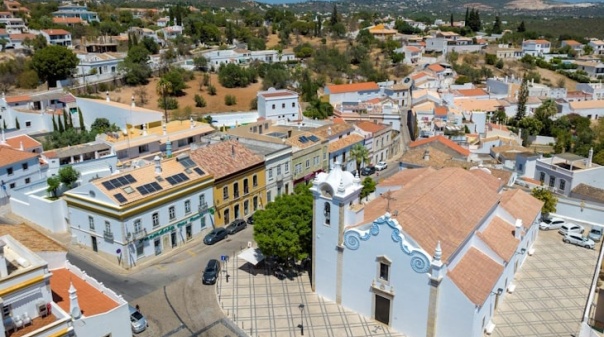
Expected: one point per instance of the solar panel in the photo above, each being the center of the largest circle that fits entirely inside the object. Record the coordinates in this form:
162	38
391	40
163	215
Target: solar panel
183	177
198	170
156	186
187	162
142	190
119	197
171	181
177	178
149	188
108	185
303	139
313	138
130	178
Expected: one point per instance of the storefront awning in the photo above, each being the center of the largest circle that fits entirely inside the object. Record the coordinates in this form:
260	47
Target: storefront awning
251	255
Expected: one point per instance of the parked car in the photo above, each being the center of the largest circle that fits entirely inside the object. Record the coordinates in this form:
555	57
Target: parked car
210	274
381	166
250	220
596	233
217	234
551	223
577	239
137	320
367	170
236	226
568	228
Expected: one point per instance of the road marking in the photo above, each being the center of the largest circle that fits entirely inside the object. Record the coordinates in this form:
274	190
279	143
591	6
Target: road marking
191	253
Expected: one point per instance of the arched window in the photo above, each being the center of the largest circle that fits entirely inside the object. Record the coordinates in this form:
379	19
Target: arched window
327	213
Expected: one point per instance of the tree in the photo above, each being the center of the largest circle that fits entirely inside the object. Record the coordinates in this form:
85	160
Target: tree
164	88
3	43
360	154
230	100
451	20
177	82
522	98
200	102
546	110
497	25
17	125
142	94
36	43
284	227
334	16
368	187
588	50
68	175
548	198
54	63
54	123
135	66
521	28
81	120
53	184
201	63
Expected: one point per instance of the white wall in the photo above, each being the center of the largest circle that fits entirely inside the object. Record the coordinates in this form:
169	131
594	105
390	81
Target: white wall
35	207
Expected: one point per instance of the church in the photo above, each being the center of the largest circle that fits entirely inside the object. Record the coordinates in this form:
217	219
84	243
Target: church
433	255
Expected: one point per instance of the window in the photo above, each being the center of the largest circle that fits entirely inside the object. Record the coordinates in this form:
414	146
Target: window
187	206
383	265
255	180
316	161
138	226
107	227
182	142
27	180
12	185
255	203
9	171
273	107
327	213
562	184
172	212
226	216
143	148
552	181
520	167
225	193
91	223
268	196
279	170
6	311
293	104
384	269
155	217
25	166
542	176
298	169
286	168
28	124
202	200
270	174
246	188
307	163
236	190
282	105
246	207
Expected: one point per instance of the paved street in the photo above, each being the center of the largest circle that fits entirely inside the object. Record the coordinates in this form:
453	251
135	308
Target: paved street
552	289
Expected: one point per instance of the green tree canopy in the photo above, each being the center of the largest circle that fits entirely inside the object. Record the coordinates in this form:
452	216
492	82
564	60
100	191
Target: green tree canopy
68	175
368	187
53	63
284	228
360	154
53	184
549	199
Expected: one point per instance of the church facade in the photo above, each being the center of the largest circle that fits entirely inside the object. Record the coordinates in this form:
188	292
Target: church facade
432	256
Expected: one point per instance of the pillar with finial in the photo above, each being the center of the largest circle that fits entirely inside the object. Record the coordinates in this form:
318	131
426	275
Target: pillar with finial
436	275
132	104
74	306
107	96
169	148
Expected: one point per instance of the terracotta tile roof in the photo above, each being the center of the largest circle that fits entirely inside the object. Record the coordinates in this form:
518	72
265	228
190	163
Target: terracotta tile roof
3	32
345	142
476	275
521	205
435	67
472	92
494	126
20	37
225	158
413	49
440	111
438	158
338	120
295	142
9	156
471	104
53	32
27	141
336	129
583	190
373	100
419	75
463	201
342	88
278	93
593	104
15	99
370	127
485	175
91	300
31	238
571	42
64	21
443	140
536	41
504	175
406	177
499	235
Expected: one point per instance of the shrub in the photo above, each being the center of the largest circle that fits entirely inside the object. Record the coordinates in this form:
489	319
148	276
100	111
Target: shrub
171	103
230	100
212	90
200	102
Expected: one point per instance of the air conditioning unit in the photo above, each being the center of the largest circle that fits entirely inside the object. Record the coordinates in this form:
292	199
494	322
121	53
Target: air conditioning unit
43	309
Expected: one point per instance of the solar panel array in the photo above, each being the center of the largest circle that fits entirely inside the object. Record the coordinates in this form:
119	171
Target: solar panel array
119	197
177	178
187	162
149	188
198	170
119	182
303	139
314	138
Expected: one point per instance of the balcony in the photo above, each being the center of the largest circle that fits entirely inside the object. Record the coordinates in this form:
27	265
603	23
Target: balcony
236	194
203	207
140	234
48	325
279	177
108	236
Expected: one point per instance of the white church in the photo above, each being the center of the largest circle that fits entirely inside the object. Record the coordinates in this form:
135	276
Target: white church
432	256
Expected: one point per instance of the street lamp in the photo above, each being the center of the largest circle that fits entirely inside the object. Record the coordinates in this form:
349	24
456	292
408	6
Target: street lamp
301	326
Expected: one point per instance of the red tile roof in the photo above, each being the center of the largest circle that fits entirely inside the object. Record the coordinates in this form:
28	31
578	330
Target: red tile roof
371	127
472	92
91	300
53	32
499	235
15	99
521	205
9	156
435	67
342	88
440	111
27	141
572	42
65	21
279	93
476	275
225	158
443	140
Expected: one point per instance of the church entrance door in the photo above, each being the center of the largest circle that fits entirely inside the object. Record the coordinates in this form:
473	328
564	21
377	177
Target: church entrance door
382	309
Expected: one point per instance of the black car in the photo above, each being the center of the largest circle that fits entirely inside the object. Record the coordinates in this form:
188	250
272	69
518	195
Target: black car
215	235
250	220
367	170
236	226
210	274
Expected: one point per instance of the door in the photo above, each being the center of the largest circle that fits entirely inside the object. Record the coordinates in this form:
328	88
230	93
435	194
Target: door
166	241
173	238
94	245
189	231
157	245
382	309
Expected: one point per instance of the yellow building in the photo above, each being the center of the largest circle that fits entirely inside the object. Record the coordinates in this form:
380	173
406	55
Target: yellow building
239	179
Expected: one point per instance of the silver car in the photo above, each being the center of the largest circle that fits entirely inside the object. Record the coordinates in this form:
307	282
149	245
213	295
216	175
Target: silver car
551	223
138	321
577	239
569	228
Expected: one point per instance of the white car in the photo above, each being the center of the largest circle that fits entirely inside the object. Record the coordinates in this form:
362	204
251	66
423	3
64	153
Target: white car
551	223
577	239
381	166
571	228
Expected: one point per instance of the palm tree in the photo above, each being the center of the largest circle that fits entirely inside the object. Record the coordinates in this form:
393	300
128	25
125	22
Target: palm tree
164	88
360	154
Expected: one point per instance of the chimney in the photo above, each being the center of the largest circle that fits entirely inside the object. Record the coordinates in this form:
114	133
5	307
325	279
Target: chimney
427	155
107	96
590	157
233	150
289	133
133	104
3	139
164	128
3	267
329	131
157	161
168	148
192	123
518	229
74	306
437	270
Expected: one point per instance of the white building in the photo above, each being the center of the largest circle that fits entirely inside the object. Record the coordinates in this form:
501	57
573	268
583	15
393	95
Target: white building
98	67
279	105
242	56
92	160
536	47
434	256
597	46
378	140
17	169
142	212
57	37
34	113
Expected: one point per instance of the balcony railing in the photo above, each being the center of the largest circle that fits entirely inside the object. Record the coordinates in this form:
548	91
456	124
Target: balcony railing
279	177
203	207
108	236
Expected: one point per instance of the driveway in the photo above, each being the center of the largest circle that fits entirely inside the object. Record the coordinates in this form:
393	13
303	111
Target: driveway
551	290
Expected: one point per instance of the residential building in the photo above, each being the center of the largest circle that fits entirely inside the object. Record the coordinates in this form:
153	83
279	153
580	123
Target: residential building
597	46
413	55
34	112
536	47
125	116
243	56
384	111
76	11
172	32
577	47
142	212
17	169
378	140
564	171
594	69
23	143
57	37
162	22
100	44
16	40
591	109
352	92
341	138
279	105
15	26
92	160
240	179
594	91
69	22
381	32
95	67
423	272
442	143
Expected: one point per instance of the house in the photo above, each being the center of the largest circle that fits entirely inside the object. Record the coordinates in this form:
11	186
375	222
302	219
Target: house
92	160
398	261
352	92
16	40
162	22
564	171
243	56
536	47
142	212
594	91
15	8
240	179
34	113
444	144
172	32
57	37
23	143
381	32
577	47
378	140
76	11
592	109
383	111
597	46
17	169
279	105
505	52
341	138
15	25
69	22
594	69
95	67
